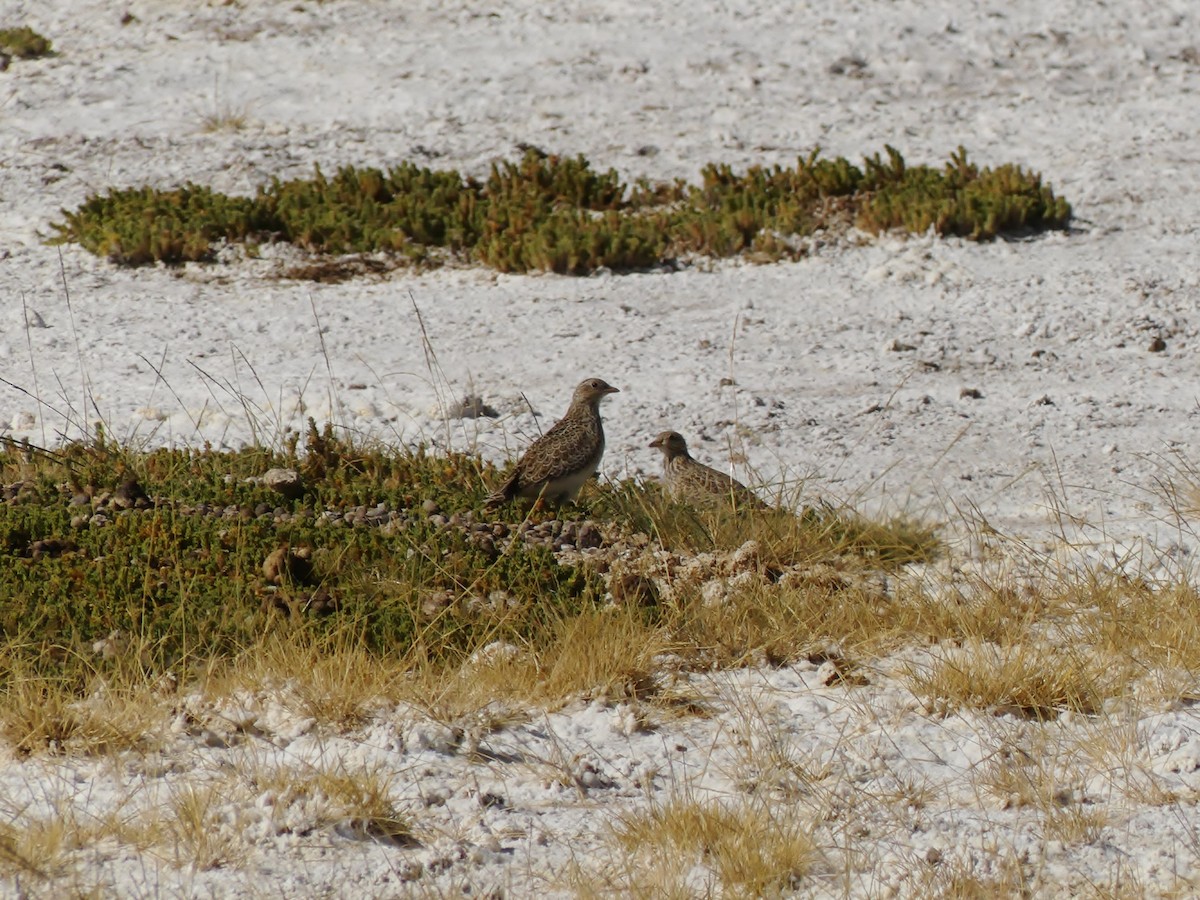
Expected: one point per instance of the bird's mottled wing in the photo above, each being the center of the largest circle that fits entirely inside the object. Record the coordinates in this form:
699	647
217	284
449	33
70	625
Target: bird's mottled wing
566	448
695	478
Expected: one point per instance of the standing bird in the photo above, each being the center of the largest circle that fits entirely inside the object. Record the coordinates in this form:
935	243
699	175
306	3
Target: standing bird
688	479
558	463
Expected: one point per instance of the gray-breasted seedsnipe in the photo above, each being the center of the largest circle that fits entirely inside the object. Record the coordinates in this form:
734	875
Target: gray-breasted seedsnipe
688	479
558	463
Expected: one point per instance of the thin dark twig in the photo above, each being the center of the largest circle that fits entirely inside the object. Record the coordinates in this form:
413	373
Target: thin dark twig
25	446
35	398
157	370
328	364
532	412
32	359
83	380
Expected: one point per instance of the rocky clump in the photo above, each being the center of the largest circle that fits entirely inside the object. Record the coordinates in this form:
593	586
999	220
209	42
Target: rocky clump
288	565
284	481
636	571
97	508
472	407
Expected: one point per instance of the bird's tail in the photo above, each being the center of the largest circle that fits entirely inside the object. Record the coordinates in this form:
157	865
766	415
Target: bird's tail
502	494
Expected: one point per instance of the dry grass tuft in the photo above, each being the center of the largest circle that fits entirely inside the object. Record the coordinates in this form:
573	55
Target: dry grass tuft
767	762
605	653
609	652
1038	682
332	679
43	840
357	802
810	610
1075	824
225	119
41	713
954	880
43	845
1033	772
194	828
780	624
220	114
713	847
1157	627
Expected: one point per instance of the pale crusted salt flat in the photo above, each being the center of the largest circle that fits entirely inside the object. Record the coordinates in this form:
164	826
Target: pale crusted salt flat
1076	415
524	807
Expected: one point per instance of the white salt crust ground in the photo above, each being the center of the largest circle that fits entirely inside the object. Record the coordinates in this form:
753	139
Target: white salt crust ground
1077	429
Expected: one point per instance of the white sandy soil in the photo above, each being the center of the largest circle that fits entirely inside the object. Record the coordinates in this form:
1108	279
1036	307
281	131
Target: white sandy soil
852	372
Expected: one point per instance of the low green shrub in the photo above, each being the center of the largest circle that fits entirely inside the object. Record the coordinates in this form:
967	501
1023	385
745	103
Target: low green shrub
24	43
548	213
182	572
366	210
959	199
144	225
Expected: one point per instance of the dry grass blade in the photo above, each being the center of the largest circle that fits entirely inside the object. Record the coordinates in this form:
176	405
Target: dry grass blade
15	855
954	880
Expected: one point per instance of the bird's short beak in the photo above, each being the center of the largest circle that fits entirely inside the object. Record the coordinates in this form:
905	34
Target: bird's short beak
655	443
612	390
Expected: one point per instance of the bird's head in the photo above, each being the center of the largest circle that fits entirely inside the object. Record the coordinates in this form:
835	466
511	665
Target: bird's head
592	391
671	443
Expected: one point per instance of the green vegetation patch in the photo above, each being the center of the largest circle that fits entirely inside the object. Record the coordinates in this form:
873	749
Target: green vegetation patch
188	554
145	225
550	213
24	43
192	554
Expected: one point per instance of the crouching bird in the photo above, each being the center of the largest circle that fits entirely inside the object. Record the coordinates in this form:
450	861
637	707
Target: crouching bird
688	479
557	464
